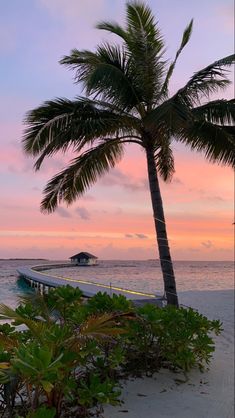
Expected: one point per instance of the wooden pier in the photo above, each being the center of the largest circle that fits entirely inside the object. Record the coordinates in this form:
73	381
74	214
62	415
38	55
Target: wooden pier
35	278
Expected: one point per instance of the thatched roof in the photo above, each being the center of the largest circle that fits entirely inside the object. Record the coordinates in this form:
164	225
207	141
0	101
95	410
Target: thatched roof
83	255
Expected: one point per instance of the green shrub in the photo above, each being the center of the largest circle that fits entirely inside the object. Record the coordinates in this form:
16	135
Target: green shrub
94	391
183	335
42	412
72	353
102	302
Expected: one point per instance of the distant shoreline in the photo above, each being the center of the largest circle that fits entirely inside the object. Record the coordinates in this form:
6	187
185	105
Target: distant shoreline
24	259
118	259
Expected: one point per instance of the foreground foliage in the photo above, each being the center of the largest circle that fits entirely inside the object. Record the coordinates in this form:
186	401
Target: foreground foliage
61	353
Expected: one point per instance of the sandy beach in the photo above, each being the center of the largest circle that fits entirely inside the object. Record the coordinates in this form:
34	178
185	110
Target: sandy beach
205	395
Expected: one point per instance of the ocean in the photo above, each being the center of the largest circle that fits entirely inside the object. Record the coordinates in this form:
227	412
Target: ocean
129	274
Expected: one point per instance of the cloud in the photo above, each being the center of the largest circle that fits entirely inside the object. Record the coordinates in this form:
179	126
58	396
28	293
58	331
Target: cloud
112	251
117	178
63	213
141	236
83	213
176	180
215	198
203	194
207	244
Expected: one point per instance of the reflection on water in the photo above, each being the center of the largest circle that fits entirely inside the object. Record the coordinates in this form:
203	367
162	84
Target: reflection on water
136	275
146	275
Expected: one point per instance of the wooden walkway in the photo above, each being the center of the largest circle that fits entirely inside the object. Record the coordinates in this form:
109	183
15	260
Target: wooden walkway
42	281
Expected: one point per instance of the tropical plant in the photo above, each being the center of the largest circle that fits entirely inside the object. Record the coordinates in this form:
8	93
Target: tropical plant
94	391
42	412
55	365
47	362
127	101
182	335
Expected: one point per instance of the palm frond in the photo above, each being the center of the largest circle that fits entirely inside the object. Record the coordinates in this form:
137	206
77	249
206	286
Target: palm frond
81	174
165	160
77	60
216	142
203	90
145	45
141	22
105	74
186	36
217	111
60	124
208	80
127	75
48	121
114	28
168	117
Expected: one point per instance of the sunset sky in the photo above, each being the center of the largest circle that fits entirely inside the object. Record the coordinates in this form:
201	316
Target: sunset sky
114	220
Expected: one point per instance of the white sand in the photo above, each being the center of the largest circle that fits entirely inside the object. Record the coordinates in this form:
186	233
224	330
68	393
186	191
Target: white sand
205	395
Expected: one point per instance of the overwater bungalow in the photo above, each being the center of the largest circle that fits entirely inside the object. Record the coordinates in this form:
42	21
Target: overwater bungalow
84	259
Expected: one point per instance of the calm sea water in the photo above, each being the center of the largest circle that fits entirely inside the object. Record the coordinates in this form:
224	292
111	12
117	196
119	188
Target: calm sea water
135	275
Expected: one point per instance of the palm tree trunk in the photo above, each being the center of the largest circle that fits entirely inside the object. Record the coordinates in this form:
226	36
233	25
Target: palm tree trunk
160	227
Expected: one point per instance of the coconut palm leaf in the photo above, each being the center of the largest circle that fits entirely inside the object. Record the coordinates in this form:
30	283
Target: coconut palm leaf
114	28
217	111
105	74
83	171
134	71
216	142
141	25
185	39
60	124
165	161
50	129
45	123
208	80
145	45
168	117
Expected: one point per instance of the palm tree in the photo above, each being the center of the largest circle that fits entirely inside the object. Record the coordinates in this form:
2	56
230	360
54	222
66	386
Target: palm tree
126	100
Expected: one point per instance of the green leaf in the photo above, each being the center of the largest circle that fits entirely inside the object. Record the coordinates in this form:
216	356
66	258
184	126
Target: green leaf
186	36
47	386
43	412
